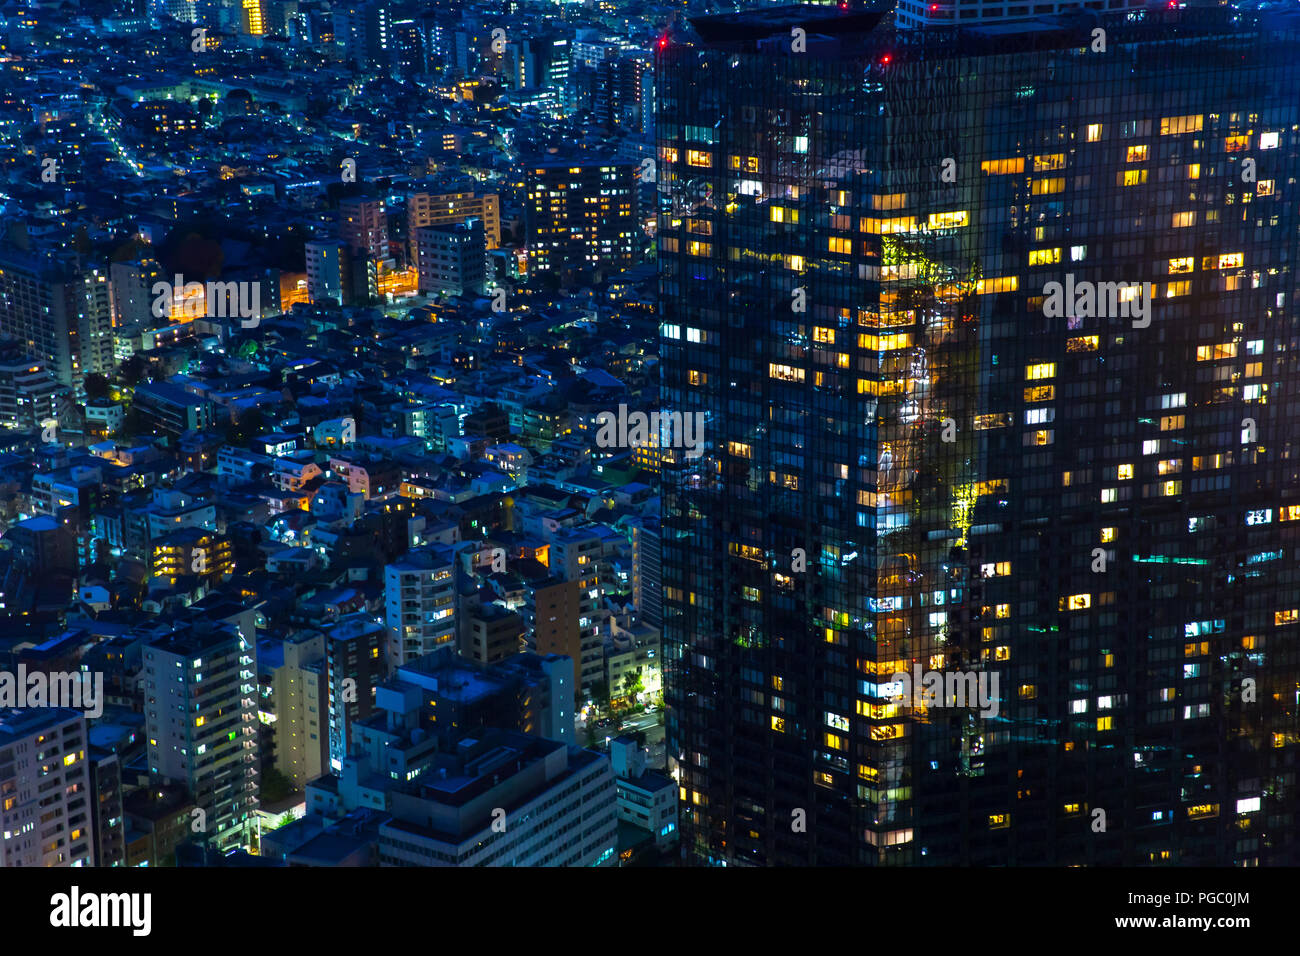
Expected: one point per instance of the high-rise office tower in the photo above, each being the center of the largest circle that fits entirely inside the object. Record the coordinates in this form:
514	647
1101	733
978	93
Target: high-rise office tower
201	716
992	333
59	307
912	14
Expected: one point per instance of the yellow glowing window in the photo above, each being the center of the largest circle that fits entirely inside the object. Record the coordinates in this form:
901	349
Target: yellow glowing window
1170	125
1105	723
889	202
794	263
666	153
200	721
778	724
1232	260
886	731
740	449
1285	617
781	214
1108	535
1045	187
1289	513
1107	660
948	220
998	284
1001	167
1094	132
1265	187
69	760
1132	177
1028	691
867	773
999	821
1181	265
823	334
785	373
1209	353
1042	370
697	248
1040	393
1175	289
1172	422
1125	472
884	343
699	157
1075	602
1184	219
1082	343
746	164
840	245
1042	257
1136	154
1002	611
1201	810
836	742
1049	162
885	227
1235	144
995	569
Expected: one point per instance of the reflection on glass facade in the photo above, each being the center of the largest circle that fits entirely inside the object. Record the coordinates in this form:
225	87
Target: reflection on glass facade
951	429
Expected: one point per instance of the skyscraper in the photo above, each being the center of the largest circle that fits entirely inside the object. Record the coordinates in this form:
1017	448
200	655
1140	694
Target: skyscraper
992	333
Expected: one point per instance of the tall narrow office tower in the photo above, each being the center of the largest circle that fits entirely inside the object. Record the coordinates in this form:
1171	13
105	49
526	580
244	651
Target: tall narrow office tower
992	329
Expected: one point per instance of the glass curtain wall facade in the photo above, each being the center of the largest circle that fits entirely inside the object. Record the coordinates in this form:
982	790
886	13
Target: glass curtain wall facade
920	457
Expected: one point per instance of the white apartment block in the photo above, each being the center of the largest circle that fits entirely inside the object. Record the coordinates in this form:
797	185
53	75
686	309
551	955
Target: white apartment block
45	798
